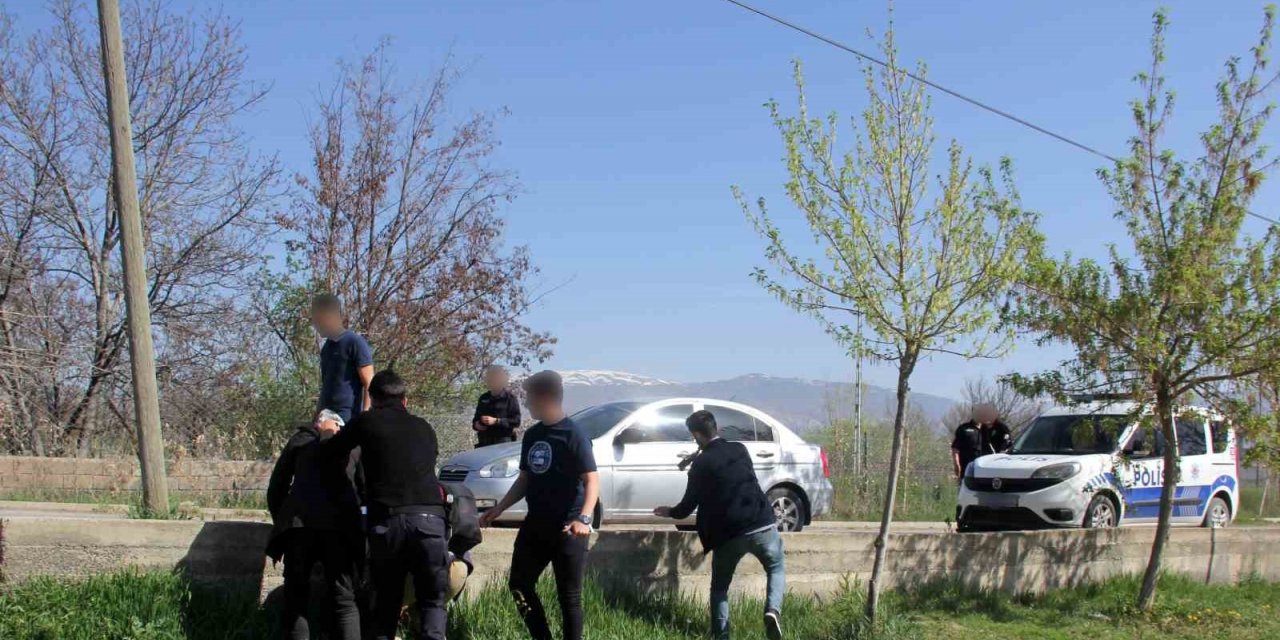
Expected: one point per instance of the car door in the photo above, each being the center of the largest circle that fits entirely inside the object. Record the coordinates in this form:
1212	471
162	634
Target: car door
756	434
647	454
1192	495
1141	474
1144	473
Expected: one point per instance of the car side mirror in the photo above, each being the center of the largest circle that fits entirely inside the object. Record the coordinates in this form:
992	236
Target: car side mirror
629	436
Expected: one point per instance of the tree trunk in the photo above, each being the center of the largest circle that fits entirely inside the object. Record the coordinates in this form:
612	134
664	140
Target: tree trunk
1164	414
905	365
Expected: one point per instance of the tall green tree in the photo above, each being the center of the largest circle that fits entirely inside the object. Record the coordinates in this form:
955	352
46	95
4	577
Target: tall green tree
1193	303
926	272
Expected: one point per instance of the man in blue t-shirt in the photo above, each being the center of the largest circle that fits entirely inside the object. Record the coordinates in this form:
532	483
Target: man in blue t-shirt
346	361
559	483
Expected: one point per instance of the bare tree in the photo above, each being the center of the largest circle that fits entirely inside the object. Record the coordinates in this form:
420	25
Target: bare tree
1015	409
203	196
400	216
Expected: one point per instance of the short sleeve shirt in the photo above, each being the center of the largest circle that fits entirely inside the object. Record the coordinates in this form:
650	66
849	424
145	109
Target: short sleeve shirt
340	361
555	457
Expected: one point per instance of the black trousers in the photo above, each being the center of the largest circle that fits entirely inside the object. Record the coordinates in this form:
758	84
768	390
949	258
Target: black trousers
409	544
336	555
535	548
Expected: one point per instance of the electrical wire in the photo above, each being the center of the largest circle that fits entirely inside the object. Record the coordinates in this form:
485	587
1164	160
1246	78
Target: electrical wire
951	92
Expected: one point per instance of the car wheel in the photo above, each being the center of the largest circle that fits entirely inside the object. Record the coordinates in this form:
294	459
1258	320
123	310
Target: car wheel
1218	515
686	527
788	509
597	517
1101	514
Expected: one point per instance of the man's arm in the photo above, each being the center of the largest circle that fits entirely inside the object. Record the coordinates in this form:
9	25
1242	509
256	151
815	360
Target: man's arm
590	495
514	494
475	419
281	479
512	420
690	500
366	378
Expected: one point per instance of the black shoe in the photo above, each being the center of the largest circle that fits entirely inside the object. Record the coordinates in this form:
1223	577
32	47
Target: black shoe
773	624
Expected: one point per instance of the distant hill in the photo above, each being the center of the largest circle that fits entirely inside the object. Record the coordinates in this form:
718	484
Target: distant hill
801	404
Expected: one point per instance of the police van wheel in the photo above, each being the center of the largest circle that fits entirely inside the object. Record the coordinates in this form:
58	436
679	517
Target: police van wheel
1101	514
597	517
788	509
1218	515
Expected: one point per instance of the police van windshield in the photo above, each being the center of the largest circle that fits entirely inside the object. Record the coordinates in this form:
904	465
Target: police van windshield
1071	435
598	420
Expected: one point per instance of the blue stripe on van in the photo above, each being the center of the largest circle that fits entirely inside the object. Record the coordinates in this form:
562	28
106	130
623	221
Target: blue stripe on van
1189	501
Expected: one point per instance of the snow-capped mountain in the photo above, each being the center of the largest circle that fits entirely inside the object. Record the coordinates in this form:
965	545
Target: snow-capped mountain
800	403
600	377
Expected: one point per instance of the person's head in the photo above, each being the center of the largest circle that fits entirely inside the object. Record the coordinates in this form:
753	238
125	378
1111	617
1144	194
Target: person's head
496	378
326	315
327	423
985	413
703	427
387	389
544	394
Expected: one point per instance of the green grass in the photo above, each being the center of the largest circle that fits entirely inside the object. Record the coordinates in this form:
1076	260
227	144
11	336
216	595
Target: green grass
919	500
162	606
252	501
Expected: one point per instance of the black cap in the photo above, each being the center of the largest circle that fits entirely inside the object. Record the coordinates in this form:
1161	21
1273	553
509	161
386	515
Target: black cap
544	383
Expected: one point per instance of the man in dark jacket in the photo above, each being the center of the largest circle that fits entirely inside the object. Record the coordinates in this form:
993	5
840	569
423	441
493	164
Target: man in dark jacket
734	519
984	435
498	410
316	516
407	530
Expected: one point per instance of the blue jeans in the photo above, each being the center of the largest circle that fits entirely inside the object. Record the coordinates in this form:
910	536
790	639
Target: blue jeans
766	546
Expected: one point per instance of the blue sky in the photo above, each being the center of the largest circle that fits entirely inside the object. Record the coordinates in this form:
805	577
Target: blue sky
629	121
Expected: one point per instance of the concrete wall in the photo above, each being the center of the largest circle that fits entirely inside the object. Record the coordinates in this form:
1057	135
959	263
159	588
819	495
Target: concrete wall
817	562
21	474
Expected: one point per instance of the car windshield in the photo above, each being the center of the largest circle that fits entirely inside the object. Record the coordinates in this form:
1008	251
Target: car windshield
1071	434
598	420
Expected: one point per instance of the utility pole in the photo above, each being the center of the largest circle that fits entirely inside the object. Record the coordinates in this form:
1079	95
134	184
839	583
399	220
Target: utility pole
124	189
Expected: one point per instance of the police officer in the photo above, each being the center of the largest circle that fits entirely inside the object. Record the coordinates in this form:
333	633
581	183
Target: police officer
983	435
559	483
498	410
407	530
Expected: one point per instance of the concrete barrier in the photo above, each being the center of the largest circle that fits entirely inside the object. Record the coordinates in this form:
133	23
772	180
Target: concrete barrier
817	562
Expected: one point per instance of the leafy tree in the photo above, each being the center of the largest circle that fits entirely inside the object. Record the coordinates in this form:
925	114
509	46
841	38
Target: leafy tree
925	274
1195	303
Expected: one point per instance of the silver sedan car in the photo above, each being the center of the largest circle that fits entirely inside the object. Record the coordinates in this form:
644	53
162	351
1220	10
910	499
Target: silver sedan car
638	448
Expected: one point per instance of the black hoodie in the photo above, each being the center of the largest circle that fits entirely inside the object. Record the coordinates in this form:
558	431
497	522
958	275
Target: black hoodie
307	491
723	487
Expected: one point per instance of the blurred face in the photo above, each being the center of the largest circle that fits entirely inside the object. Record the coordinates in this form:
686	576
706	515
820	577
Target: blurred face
544	408
986	414
327	322
496	380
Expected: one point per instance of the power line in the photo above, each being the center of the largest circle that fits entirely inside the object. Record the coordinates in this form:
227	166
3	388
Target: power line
955	94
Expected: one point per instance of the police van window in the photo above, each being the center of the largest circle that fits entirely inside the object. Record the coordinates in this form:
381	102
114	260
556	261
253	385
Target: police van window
666	425
1221	434
735	426
1146	443
1191	437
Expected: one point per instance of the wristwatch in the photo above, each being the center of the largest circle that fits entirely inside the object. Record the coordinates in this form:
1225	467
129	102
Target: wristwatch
584	519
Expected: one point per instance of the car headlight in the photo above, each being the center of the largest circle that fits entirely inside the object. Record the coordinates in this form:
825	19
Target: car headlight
968	470
1057	471
504	468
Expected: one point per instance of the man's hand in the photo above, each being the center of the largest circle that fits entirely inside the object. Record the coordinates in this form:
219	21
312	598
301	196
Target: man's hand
487	518
327	427
577	529
662	512
488	421
479	425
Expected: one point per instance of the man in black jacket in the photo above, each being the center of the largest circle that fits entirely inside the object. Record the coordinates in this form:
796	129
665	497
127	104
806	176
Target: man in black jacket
981	436
316	516
407	530
498	410
734	519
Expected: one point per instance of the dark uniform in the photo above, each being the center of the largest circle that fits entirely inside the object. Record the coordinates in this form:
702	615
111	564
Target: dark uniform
555	456
505	407
316	519
973	442
407	529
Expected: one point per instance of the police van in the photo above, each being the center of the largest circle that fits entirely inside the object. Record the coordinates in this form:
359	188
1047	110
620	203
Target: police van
1094	465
